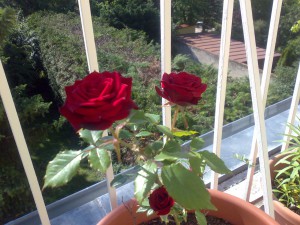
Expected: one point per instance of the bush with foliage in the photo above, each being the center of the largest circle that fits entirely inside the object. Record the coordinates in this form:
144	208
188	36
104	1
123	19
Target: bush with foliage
135	14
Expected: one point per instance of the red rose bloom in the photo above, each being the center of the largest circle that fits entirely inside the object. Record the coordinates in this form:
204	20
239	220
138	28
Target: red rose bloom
98	100
160	201
182	88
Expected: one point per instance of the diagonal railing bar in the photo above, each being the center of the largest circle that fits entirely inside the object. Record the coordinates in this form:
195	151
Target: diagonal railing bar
91	54
258	109
272	36
292	113
222	81
165	26
16	128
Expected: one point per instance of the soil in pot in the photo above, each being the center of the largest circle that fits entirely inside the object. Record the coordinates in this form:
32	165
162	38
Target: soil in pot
211	220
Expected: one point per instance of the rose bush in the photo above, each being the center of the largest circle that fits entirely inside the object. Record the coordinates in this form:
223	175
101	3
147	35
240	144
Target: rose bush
160	201
170	180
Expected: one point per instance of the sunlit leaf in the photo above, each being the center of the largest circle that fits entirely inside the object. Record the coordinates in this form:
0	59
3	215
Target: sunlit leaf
99	159
143	134
186	187
89	136
121	179
184	133
165	130
62	168
145	180
197	143
201	219
214	162
153	118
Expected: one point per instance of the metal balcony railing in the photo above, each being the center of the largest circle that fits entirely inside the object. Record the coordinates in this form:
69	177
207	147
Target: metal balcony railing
259	90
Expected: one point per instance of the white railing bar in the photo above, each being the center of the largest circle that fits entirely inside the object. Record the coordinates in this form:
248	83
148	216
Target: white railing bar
222	81
16	128
91	54
272	36
293	112
165	26
88	34
258	109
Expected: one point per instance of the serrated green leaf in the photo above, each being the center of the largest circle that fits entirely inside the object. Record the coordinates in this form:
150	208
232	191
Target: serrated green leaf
99	159
184	133
186	187
165	130
89	136
143	134
144	181
197	143
214	162
153	118
62	168
201	219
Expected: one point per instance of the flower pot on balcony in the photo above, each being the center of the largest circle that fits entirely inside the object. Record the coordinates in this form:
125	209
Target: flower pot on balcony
283	215
230	208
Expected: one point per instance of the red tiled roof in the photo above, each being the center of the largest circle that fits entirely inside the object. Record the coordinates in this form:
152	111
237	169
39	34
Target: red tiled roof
211	43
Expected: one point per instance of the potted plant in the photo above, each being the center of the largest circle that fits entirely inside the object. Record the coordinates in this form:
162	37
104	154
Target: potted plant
170	180
285	169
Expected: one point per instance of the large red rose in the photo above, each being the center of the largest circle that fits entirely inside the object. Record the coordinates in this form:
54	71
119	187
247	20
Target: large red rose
160	201
98	100
181	88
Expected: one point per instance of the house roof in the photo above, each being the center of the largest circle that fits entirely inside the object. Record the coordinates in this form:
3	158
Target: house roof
211	43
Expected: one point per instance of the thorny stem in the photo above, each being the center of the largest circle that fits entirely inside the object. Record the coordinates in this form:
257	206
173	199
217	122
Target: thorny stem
116	144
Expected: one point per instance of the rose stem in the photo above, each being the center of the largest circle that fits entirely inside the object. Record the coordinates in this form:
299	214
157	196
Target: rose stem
186	125
175	117
116	144
176	219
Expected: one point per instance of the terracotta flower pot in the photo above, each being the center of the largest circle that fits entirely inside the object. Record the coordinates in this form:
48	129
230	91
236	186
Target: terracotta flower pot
230	208
283	215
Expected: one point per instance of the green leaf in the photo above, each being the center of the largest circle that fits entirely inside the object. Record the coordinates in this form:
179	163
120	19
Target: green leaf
165	130
62	168
99	159
183	133
214	162
157	145
196	164
124	134
171	147
144	181
143	134
186	187
89	136
137	117
153	118
201	219
197	143
121	179
171	151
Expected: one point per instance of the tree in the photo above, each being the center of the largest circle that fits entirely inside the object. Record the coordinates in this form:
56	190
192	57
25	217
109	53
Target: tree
135	14
7	22
191	11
